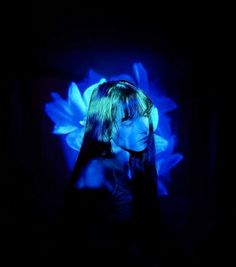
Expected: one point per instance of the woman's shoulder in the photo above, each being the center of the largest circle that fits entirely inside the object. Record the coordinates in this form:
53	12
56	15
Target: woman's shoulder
96	174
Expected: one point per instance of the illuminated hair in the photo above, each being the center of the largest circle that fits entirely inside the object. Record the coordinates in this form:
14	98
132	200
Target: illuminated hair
107	100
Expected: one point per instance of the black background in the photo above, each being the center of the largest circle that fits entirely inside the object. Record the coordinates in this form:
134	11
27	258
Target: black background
47	46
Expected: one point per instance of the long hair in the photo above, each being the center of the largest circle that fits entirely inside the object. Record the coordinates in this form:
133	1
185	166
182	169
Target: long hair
105	102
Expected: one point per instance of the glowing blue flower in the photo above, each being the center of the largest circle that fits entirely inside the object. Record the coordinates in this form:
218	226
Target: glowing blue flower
70	116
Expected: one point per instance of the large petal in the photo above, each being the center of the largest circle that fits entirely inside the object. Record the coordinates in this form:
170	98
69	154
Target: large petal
58	110
57	114
64	129
172	141
164	126
61	103
161	144
75	101
165	104
154	118
162	188
167	164
74	139
141	76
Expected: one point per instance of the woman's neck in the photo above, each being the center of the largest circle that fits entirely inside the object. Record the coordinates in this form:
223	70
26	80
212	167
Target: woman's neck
121	155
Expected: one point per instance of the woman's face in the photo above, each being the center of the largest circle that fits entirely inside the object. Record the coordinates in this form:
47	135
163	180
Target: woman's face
131	134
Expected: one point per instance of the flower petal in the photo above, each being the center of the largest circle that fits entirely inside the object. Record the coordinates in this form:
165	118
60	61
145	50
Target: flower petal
75	100
168	163
165	104
164	127
61	103
141	76
57	115
64	129
161	187
75	138
154	118
161	144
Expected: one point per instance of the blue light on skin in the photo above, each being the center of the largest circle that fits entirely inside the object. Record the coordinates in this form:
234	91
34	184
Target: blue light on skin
130	134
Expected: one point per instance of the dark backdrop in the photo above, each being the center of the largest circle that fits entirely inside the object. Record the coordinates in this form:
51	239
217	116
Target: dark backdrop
49	46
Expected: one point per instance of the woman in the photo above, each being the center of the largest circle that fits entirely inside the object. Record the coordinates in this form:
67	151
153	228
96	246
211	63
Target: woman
112	196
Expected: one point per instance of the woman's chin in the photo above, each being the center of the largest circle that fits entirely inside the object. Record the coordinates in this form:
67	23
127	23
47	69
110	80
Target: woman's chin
135	149
139	149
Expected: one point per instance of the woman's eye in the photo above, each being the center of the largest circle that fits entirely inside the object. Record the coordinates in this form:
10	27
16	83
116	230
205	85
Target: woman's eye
124	119
127	121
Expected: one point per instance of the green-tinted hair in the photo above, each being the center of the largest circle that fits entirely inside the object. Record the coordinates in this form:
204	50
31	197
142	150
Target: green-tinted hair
108	101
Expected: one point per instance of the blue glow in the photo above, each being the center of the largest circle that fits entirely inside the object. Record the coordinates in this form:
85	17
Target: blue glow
69	118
